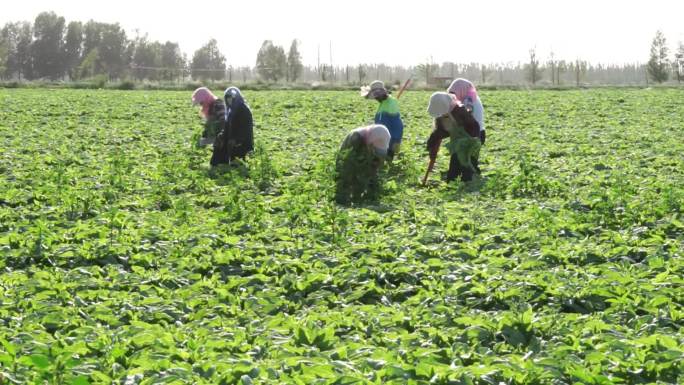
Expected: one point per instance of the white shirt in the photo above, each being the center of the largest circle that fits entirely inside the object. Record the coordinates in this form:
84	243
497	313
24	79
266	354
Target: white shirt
478	113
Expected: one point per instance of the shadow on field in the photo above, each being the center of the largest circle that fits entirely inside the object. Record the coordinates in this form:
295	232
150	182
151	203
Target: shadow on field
101	258
372	205
456	190
225	174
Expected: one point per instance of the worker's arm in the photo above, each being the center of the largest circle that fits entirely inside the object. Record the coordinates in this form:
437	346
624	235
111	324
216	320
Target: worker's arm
435	139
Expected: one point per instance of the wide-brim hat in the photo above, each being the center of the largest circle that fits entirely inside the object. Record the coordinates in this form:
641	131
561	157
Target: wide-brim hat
375	89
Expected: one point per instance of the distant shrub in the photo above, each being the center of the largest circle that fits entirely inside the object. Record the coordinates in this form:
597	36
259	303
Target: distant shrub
126	85
82	85
192	86
99	81
12	84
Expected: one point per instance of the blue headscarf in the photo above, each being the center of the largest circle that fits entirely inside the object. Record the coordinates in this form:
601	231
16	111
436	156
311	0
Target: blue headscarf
236	101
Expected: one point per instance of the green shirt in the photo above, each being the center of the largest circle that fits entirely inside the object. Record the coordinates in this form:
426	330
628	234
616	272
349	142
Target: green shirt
389	106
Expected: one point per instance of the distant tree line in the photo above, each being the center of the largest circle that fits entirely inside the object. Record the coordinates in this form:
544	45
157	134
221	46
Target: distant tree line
660	66
49	48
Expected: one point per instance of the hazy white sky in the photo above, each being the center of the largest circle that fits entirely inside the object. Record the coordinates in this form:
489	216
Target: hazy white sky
390	31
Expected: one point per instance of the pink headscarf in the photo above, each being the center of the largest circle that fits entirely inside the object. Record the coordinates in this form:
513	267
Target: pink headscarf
462	88
204	98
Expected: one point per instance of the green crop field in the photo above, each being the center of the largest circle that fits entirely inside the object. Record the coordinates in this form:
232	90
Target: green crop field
124	259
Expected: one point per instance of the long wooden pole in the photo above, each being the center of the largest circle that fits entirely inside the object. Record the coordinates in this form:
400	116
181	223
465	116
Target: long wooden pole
431	165
404	87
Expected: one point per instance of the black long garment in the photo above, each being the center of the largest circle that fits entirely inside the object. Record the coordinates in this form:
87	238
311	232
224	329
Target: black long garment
236	139
214	123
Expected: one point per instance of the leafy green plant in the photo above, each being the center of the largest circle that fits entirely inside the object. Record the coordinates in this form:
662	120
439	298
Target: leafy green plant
125	258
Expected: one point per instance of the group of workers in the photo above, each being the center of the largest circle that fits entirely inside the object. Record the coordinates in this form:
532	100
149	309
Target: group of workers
458	115
228	124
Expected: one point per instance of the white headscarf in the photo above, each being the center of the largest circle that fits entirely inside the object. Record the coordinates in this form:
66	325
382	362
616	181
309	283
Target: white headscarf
441	103
377	136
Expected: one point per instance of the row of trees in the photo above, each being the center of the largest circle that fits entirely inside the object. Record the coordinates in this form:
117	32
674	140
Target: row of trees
52	49
272	64
659	64
658	69
556	69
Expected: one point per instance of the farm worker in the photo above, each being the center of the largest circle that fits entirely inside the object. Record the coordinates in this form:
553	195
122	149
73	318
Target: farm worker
466	93
213	112
358	162
388	113
236	139
452	119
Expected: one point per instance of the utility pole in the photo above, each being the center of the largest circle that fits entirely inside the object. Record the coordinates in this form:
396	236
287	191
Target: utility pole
332	69
553	69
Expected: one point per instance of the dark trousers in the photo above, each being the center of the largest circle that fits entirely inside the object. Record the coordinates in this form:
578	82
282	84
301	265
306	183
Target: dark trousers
456	169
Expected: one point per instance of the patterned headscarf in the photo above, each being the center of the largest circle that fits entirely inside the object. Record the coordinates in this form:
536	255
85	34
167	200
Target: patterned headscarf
463	89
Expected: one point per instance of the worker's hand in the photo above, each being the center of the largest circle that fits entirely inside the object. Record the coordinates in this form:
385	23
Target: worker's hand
219	141
433	141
